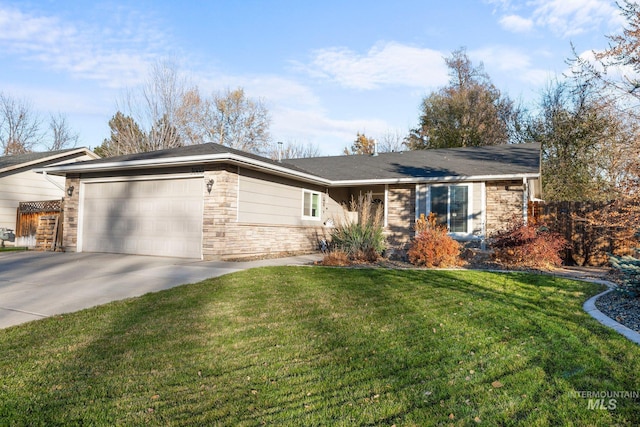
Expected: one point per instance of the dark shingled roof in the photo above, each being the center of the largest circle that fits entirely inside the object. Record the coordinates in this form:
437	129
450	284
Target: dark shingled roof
186	151
508	159
513	160
18	159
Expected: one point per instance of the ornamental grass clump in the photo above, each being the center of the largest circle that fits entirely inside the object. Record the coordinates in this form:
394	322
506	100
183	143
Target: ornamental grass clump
362	240
432	246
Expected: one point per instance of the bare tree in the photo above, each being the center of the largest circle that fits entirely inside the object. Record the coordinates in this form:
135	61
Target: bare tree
155	108
19	126
61	134
190	117
232	119
168	112
292	150
391	141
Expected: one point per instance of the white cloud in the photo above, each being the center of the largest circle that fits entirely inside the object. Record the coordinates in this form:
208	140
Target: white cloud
565	18
314	126
516	24
385	64
82	50
572	17
502	58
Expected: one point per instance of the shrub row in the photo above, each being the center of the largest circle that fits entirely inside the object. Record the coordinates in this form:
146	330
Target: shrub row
518	245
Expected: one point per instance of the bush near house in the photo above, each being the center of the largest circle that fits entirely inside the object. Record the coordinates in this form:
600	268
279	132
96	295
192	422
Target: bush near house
362	240
433	247
527	245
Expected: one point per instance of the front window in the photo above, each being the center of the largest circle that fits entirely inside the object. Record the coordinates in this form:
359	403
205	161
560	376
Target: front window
451	205
311	204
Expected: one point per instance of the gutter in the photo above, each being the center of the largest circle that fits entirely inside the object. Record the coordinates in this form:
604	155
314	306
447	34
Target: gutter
50	158
465	178
61	187
185	160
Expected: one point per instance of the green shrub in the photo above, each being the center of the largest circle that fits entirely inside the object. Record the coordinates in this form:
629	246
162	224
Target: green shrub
361	240
527	245
433	247
628	269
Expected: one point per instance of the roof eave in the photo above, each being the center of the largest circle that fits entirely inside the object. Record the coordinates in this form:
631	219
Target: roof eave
420	180
183	161
69	153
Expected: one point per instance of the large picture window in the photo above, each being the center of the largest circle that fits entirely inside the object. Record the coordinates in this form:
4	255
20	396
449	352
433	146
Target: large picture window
311	204
451	205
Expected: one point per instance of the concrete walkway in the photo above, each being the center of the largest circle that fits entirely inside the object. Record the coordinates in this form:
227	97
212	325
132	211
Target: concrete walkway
35	285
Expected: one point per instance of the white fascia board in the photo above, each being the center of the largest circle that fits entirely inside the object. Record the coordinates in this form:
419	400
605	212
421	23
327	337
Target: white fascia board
346	183
50	158
183	161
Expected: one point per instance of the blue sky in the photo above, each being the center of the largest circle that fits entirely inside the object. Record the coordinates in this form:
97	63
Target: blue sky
325	69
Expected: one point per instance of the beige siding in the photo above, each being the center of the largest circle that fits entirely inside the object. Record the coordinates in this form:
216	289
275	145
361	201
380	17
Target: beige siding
232	230
265	199
24	187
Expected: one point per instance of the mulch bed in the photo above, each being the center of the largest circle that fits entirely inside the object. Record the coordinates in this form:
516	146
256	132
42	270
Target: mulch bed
622	308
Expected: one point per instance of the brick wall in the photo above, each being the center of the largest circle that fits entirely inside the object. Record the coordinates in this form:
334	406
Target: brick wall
504	199
70	221
220	208
401	214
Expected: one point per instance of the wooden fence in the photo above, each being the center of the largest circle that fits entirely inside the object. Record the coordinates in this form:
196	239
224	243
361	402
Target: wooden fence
28	218
589	244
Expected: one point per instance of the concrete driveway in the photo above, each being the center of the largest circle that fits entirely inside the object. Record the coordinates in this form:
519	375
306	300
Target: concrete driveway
34	285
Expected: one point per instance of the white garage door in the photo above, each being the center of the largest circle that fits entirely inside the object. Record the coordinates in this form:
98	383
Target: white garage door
160	217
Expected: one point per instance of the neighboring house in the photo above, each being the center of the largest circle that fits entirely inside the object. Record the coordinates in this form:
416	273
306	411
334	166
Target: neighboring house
209	201
19	182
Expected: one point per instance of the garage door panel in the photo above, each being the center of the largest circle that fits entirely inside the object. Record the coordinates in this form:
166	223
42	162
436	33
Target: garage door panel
155	217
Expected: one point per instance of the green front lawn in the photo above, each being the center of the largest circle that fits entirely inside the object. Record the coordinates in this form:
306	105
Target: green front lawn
325	346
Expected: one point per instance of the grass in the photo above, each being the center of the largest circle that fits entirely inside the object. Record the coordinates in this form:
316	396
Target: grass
13	248
325	346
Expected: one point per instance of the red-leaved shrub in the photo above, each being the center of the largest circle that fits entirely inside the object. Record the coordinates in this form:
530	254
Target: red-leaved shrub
527	245
433	247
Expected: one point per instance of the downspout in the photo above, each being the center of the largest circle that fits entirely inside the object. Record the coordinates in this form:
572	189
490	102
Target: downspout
61	187
525	200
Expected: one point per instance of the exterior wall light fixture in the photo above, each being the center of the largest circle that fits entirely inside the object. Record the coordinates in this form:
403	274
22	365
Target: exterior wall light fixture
70	191
210	185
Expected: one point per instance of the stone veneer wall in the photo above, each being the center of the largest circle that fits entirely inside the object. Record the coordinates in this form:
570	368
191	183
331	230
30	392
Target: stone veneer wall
259	239
220	208
503	203
70	220
224	237
401	214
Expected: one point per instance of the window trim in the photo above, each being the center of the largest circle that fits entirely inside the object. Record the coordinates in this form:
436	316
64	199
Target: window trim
469	186
312	193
